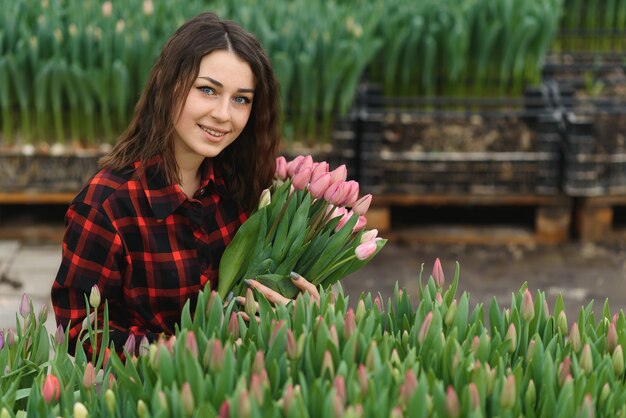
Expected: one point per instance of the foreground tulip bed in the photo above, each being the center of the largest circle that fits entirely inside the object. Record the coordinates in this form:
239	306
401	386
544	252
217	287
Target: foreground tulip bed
367	358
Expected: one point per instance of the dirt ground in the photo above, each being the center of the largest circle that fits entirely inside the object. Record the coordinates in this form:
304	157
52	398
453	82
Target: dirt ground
582	272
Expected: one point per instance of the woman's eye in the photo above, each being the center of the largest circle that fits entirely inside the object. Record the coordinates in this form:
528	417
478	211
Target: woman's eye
242	100
206	90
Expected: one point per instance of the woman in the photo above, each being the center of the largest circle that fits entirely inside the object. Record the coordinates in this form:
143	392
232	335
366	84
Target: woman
150	227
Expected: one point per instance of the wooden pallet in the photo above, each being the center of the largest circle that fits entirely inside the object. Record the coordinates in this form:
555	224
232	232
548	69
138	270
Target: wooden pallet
552	219
595	217
36	198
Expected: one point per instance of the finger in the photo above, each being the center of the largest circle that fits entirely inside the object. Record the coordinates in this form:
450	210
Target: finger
246	318
242	301
305	285
269	294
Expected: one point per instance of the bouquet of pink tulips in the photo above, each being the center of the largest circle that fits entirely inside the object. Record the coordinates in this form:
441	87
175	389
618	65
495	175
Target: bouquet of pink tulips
310	221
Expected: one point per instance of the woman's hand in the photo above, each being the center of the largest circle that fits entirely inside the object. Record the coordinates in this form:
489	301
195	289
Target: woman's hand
276	298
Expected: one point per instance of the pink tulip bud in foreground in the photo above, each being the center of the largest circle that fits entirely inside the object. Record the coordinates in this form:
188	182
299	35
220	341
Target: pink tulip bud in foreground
360	223
186	399
281	168
319	186
509	393
362	205
306	164
365	250
528	307
294	164
339	174
59	335
611	338
129	345
438	273
301	179
51	389
331	195
224	409
25	306
349	324
344	220
574	338
319	169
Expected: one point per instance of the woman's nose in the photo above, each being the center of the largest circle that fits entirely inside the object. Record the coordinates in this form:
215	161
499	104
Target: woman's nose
219	111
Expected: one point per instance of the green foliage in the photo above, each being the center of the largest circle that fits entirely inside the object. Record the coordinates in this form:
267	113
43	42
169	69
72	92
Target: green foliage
329	359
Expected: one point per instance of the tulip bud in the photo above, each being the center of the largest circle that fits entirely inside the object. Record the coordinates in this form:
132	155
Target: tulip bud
395	358
233	326
51	389
528	308
258	365
328	364
10	337
129	345
507	398
349	324
611	338
293	165
256	388
360	311
587	406
438	299
437	274
265	199
424	328
80	411
320	170
59	336
474	396
604	393
192	344
450	313
250	306
490	377
546	309
144	346
89	377
332	335
407	388
94	297
224	411
1	339
586	360
25	306
339	174
319	186
88	320
369	236
186	399
291	346
245	408
362	205
574	338
360	224
365	250
339	385
214	355
362	378
530	397
475	344
561	323
378	303
564	370
107	8
142	409
452	403
618	360
511	335
109	400
281	168
396	413
301	179
4	413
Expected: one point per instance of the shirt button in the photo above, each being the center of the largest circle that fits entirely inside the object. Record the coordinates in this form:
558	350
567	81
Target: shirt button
202	191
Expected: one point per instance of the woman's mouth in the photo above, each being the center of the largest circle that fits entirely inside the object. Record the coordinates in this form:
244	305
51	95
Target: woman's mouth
213	132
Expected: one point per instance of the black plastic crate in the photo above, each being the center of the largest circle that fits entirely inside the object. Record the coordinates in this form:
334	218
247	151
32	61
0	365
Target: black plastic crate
411	145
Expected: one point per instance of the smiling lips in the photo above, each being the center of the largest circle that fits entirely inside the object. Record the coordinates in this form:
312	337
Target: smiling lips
213	132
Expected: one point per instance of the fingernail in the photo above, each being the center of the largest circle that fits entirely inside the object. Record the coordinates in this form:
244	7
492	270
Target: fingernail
247	282
294	275
229	297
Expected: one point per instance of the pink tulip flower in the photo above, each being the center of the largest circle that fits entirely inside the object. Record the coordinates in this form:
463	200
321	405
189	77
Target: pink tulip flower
362	205
281	168
343	193
344	220
307	163
129	345
51	389
340	173
319	186
369	235
352	193
365	250
360	224
301	179
25	306
319	169
332	193
89	377
294	164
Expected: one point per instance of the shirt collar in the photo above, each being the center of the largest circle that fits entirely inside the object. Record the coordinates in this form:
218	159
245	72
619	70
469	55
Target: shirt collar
165	198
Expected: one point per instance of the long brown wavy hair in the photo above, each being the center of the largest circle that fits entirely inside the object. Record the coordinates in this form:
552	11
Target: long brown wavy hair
247	165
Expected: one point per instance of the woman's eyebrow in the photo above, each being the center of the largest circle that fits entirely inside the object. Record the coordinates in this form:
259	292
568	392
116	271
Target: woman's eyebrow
218	84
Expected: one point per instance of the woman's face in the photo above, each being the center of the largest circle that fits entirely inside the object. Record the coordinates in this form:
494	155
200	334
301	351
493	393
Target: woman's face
217	107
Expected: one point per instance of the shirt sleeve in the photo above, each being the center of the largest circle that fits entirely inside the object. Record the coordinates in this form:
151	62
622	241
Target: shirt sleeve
92	254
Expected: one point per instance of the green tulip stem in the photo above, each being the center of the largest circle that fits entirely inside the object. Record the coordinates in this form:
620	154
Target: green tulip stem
336	266
280	215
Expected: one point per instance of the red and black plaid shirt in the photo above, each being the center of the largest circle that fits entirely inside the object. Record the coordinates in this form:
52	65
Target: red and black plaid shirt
146	245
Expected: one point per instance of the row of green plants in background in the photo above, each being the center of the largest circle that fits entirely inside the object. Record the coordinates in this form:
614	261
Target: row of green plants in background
71	71
442	357
593	26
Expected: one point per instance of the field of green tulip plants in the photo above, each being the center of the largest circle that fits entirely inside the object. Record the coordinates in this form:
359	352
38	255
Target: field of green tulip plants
71	71
432	354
